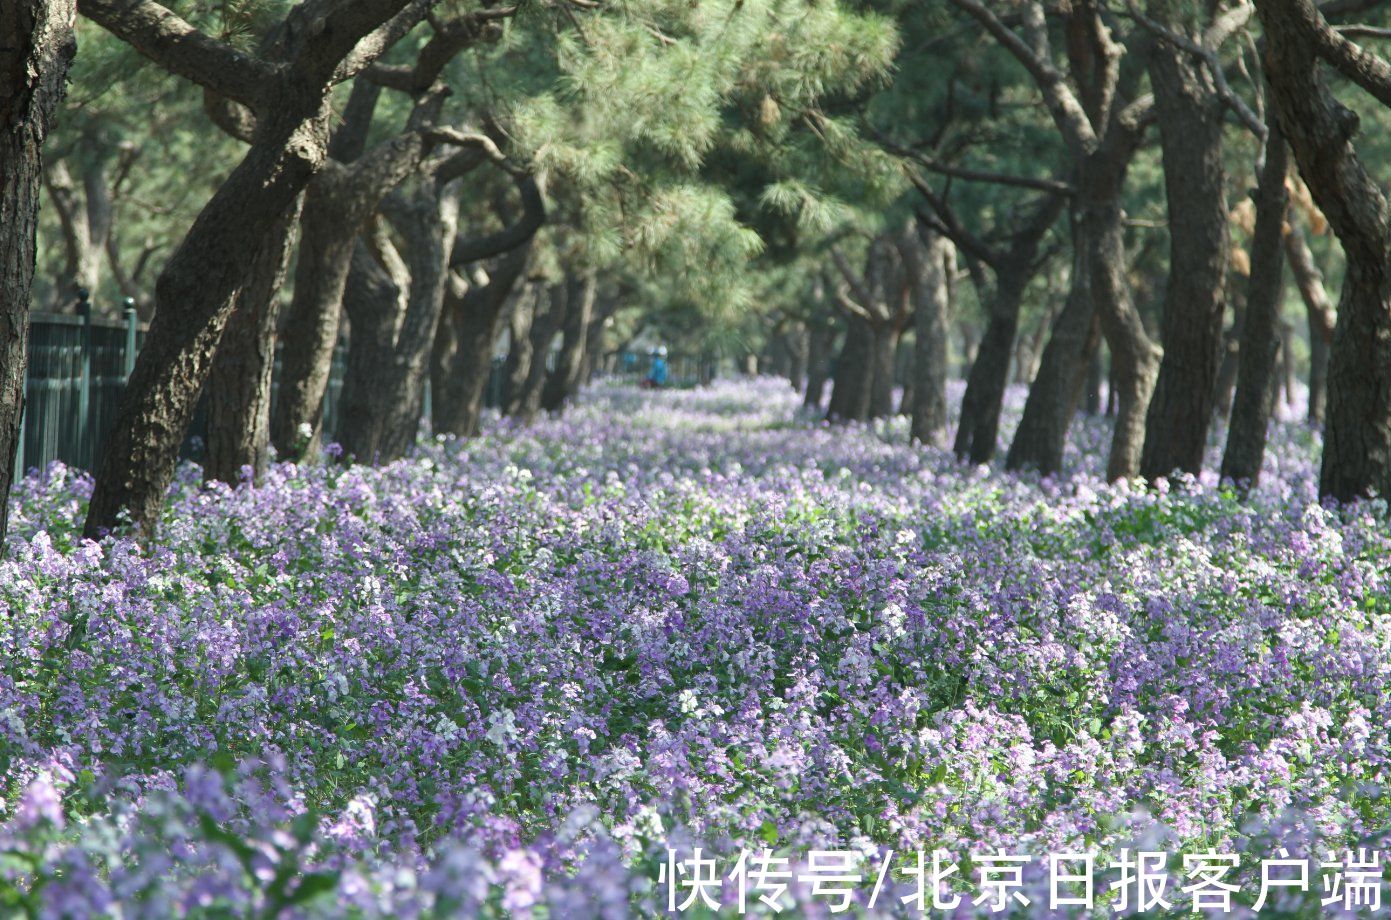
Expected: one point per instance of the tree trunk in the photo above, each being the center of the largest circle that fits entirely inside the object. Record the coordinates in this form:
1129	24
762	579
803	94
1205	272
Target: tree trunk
606	305
885	344
1251	408
338	203
239	385
1062	372
1190	113
37	38
1357	439
820	346
926	257
462	362
796	342
1231	360
574	327
854	379
517	367
85	221
1322	317
527	399
382	408
1134	358
1096	378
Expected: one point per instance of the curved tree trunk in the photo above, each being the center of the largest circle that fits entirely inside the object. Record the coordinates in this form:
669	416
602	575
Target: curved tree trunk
1255	387
574	328
978	430
1357	438
37	39
239	384
1134	358
1190	128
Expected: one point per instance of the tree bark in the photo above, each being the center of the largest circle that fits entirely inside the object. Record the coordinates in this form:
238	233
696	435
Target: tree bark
1231	360
36	47
239	384
527	399
1190	114
1062	372
1323	317
977	433
820	347
854	378
463	357
574	328
927	260
1255	391
1134	358
517	367
1357	438
881	389
382	407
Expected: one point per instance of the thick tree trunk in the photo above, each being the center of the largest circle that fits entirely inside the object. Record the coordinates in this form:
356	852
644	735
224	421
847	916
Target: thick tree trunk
517	368
463	357
854	379
881	400
927	259
1357	438
820	347
1190	115
550	308
374	299
574	328
1062	372
36	46
239	385
1255	390
382	408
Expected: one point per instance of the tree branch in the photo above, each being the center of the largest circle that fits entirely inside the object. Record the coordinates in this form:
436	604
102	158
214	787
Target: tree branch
162	36
1064	105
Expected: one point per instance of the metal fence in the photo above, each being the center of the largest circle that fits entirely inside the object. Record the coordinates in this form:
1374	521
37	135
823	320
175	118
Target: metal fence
79	365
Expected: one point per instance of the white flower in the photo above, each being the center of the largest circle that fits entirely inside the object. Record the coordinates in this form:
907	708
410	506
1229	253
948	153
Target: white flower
688	700
502	725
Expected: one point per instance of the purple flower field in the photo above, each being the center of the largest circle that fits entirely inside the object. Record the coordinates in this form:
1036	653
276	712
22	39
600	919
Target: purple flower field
500	678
